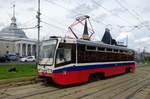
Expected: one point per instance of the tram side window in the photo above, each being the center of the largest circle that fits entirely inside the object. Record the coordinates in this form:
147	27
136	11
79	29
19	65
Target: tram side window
63	56
121	51
93	48
81	47
131	52
116	50
101	49
109	49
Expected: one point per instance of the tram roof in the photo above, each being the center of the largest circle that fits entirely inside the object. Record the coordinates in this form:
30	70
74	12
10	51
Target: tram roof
91	43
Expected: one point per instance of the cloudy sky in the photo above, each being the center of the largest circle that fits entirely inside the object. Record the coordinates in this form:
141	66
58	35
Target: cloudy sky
125	18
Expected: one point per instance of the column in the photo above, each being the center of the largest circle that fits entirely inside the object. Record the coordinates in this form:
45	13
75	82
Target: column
35	50
20	49
31	49
26	49
16	46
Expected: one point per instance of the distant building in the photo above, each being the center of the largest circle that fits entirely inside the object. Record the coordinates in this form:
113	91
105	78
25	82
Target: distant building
141	56
146	55
107	38
14	40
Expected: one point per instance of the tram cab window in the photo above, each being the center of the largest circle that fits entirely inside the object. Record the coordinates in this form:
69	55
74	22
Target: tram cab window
63	56
47	52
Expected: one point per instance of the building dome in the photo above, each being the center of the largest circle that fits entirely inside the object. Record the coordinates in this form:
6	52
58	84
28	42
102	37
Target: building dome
12	31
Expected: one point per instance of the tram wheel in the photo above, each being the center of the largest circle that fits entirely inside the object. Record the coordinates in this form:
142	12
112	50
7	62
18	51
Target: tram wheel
128	70
95	77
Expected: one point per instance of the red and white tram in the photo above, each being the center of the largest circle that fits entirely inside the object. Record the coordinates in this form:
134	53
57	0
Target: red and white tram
74	61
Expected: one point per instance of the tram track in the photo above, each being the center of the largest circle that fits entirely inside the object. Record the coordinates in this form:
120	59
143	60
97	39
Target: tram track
136	92
76	90
73	91
28	92
115	91
54	90
113	88
100	89
90	92
134	88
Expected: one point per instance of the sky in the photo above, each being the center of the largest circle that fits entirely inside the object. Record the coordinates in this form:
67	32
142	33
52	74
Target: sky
126	19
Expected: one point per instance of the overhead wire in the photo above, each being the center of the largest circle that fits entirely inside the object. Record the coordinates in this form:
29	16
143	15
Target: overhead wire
121	5
28	21
54	26
92	19
133	27
79	14
56	21
98	4
69	10
135	15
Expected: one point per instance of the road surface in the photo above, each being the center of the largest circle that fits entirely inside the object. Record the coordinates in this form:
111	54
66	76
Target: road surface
127	86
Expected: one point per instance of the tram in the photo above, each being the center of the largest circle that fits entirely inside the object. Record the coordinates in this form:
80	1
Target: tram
68	61
72	61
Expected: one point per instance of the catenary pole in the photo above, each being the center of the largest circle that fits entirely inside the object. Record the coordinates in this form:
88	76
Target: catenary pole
38	26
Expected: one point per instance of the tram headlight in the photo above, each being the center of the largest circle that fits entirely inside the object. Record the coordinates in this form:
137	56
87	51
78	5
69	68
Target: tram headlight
49	71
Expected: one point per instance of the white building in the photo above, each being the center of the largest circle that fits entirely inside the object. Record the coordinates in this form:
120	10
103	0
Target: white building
14	40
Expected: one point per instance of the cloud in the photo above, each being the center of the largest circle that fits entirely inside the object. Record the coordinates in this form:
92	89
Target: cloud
146	10
83	7
124	35
61	13
2	24
145	40
141	43
117	11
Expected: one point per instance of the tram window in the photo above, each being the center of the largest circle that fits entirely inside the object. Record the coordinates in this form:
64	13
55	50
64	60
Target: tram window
109	49
125	52
91	48
121	51
115	50
63	56
81	47
130	52
101	49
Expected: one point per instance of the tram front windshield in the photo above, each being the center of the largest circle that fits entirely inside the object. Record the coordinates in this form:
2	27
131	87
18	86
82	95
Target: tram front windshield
47	52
